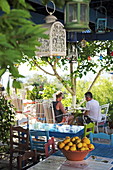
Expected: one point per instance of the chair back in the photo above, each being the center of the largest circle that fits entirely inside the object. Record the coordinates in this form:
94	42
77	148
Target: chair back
50	147
38	139
28	159
19	139
22	122
104	111
49	112
88	128
19	142
40	112
101	136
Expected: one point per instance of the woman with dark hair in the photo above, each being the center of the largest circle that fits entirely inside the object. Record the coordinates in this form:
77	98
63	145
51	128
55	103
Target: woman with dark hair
60	110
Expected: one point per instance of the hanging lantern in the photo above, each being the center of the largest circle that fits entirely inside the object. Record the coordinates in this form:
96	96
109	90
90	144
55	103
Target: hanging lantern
83	43
72	52
77	15
55	45
101	19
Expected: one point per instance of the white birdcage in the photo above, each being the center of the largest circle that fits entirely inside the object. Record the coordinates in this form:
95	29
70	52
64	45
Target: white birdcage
55	45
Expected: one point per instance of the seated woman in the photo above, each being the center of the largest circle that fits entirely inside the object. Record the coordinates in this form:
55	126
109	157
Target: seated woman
60	111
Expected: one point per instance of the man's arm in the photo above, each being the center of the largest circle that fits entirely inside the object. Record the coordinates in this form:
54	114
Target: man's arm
86	113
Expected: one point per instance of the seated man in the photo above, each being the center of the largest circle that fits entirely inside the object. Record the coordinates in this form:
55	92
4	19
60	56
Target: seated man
59	110
92	113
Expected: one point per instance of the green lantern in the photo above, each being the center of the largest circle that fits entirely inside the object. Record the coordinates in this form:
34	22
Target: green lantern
77	15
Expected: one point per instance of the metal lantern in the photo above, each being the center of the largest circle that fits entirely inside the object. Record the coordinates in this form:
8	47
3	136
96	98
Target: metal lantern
77	15
55	45
101	19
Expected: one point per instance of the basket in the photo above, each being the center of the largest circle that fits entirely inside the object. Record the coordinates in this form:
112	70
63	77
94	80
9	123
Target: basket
75	155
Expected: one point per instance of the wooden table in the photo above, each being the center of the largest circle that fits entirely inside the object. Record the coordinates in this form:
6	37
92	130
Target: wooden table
58	130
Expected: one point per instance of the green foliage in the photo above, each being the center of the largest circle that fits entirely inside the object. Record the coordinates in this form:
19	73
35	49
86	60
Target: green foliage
6	119
18	35
67	99
103	91
82	87
36	79
35	93
49	90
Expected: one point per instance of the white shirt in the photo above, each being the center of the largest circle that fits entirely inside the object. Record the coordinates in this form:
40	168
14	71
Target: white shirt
94	110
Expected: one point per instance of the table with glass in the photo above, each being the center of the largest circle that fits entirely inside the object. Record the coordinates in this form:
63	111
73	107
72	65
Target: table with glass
59	130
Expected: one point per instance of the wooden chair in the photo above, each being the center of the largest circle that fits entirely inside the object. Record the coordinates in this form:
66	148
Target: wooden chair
50	147
88	128
28	159
99	136
19	141
38	139
49	112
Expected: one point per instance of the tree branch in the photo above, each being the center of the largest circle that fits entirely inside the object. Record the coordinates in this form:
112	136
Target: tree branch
36	64
90	87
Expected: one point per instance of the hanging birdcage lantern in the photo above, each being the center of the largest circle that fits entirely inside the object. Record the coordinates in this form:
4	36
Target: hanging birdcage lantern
101	20
72	52
55	45
83	43
77	15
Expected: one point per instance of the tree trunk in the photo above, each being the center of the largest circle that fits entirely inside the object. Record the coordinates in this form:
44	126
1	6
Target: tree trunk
73	101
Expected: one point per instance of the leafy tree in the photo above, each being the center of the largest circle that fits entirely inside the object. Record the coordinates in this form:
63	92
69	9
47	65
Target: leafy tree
37	79
18	35
49	90
81	66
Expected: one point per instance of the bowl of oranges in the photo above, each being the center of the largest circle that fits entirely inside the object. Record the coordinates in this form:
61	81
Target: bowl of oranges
75	148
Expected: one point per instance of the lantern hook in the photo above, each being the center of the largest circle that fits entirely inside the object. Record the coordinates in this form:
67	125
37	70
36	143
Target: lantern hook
50	13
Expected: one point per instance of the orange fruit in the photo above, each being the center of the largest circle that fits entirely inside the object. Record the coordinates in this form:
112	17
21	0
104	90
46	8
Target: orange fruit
91	146
66	141
79	145
74	145
73	139
61	145
72	148
77	141
70	144
82	149
86	140
87	149
66	148
76	137
67	137
84	144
